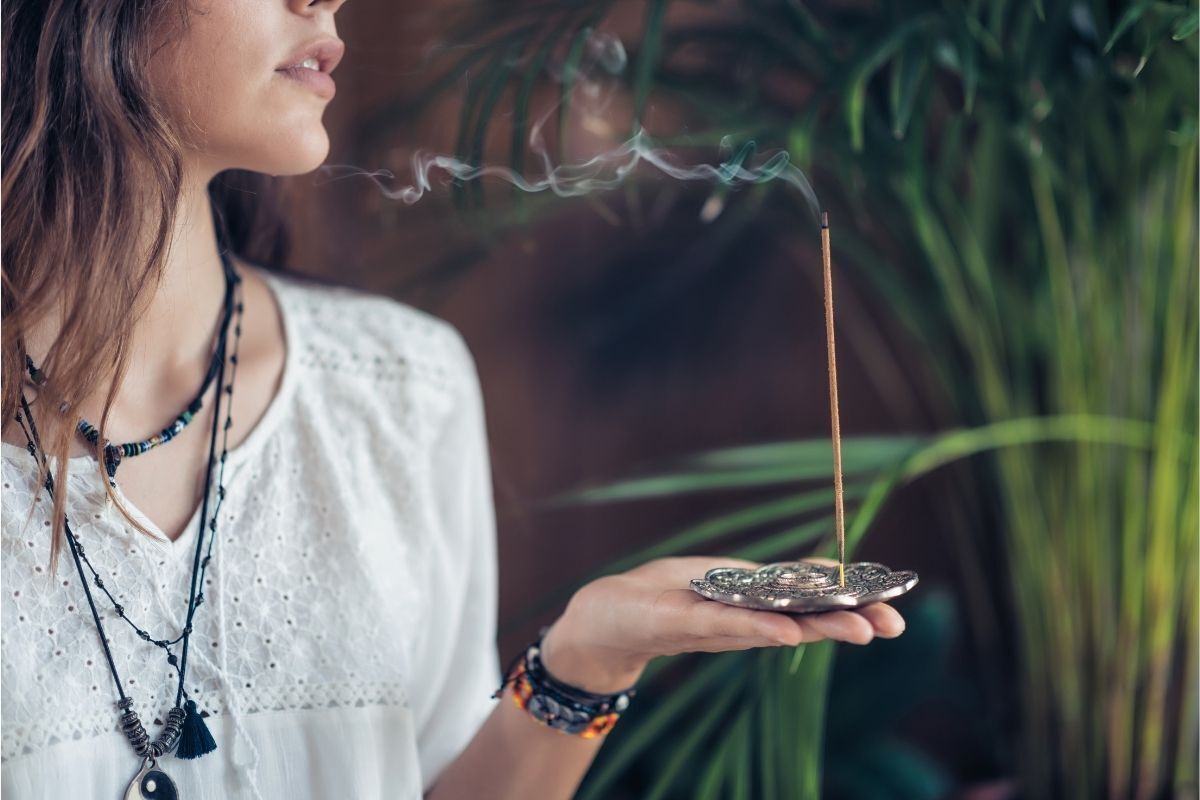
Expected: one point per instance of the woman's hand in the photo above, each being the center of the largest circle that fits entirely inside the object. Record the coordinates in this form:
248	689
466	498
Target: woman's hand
615	625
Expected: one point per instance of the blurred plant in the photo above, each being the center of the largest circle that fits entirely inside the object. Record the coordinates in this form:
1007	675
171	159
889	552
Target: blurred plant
791	688
1019	181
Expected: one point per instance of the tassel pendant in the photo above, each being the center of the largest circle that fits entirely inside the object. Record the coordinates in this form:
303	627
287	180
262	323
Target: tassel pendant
194	740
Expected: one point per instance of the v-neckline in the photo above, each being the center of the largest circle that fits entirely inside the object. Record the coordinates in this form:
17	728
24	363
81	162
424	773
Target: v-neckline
85	465
177	548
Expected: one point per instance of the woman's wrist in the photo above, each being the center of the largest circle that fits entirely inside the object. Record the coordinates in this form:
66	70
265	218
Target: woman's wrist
569	658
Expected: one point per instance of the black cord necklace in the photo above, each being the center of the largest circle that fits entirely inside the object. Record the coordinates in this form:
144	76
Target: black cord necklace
113	453
184	729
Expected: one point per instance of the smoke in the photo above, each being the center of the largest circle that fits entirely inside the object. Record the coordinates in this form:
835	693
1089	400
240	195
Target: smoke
597	174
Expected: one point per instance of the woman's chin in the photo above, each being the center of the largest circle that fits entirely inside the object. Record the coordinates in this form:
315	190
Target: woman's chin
293	154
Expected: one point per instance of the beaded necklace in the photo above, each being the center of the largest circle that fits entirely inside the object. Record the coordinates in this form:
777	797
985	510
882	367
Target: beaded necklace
184	730
113	453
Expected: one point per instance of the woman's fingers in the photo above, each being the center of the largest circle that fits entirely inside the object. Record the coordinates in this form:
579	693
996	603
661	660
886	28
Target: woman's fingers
699	624
733	622
886	620
844	626
713	621
785	629
781	628
684	613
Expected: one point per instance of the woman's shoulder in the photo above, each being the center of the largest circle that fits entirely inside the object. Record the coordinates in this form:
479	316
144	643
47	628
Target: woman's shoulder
354	333
338	310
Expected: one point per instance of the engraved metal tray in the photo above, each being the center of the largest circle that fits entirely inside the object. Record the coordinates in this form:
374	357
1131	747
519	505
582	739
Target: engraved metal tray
804	587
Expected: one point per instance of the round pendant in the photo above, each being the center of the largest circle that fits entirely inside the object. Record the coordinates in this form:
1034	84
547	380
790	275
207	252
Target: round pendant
151	783
803	587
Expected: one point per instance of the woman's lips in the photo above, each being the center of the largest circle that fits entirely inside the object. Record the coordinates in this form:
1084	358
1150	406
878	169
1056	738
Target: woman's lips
319	82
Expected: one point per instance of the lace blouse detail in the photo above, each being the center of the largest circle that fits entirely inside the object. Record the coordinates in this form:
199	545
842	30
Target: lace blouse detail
354	566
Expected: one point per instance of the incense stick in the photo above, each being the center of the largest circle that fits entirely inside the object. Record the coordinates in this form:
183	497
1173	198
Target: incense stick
839	513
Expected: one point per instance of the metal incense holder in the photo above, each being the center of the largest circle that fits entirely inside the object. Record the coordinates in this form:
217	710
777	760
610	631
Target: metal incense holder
803	587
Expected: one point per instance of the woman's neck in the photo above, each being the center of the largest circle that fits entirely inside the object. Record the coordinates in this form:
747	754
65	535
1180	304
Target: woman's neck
172	338
174	331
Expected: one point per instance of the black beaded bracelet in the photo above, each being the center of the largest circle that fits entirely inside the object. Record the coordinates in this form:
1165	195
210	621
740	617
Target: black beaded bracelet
559	705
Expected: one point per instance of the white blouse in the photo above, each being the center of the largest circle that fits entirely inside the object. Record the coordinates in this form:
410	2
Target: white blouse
346	646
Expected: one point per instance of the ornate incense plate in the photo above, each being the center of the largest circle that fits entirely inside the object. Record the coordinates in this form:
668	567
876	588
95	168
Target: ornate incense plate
804	587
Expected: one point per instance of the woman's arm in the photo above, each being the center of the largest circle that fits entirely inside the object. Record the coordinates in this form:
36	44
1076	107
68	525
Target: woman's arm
610	630
514	756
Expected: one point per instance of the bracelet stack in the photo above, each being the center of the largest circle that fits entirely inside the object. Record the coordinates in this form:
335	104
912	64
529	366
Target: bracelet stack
559	705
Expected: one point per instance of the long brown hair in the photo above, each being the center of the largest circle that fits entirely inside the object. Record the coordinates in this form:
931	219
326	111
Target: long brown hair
90	163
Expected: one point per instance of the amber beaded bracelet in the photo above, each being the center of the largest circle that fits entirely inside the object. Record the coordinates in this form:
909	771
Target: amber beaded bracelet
558	705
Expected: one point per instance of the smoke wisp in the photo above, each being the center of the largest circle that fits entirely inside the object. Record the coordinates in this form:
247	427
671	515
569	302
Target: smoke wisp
599	173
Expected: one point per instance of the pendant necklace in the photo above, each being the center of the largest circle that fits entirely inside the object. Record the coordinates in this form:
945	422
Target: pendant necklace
113	453
184	732
801	587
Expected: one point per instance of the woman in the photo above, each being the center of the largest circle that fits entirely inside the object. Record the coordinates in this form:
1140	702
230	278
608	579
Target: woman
339	642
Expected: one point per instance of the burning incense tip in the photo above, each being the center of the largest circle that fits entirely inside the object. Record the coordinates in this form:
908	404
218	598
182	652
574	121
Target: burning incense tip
824	219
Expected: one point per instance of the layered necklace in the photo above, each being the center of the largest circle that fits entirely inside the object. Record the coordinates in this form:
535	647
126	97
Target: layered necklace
184	732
